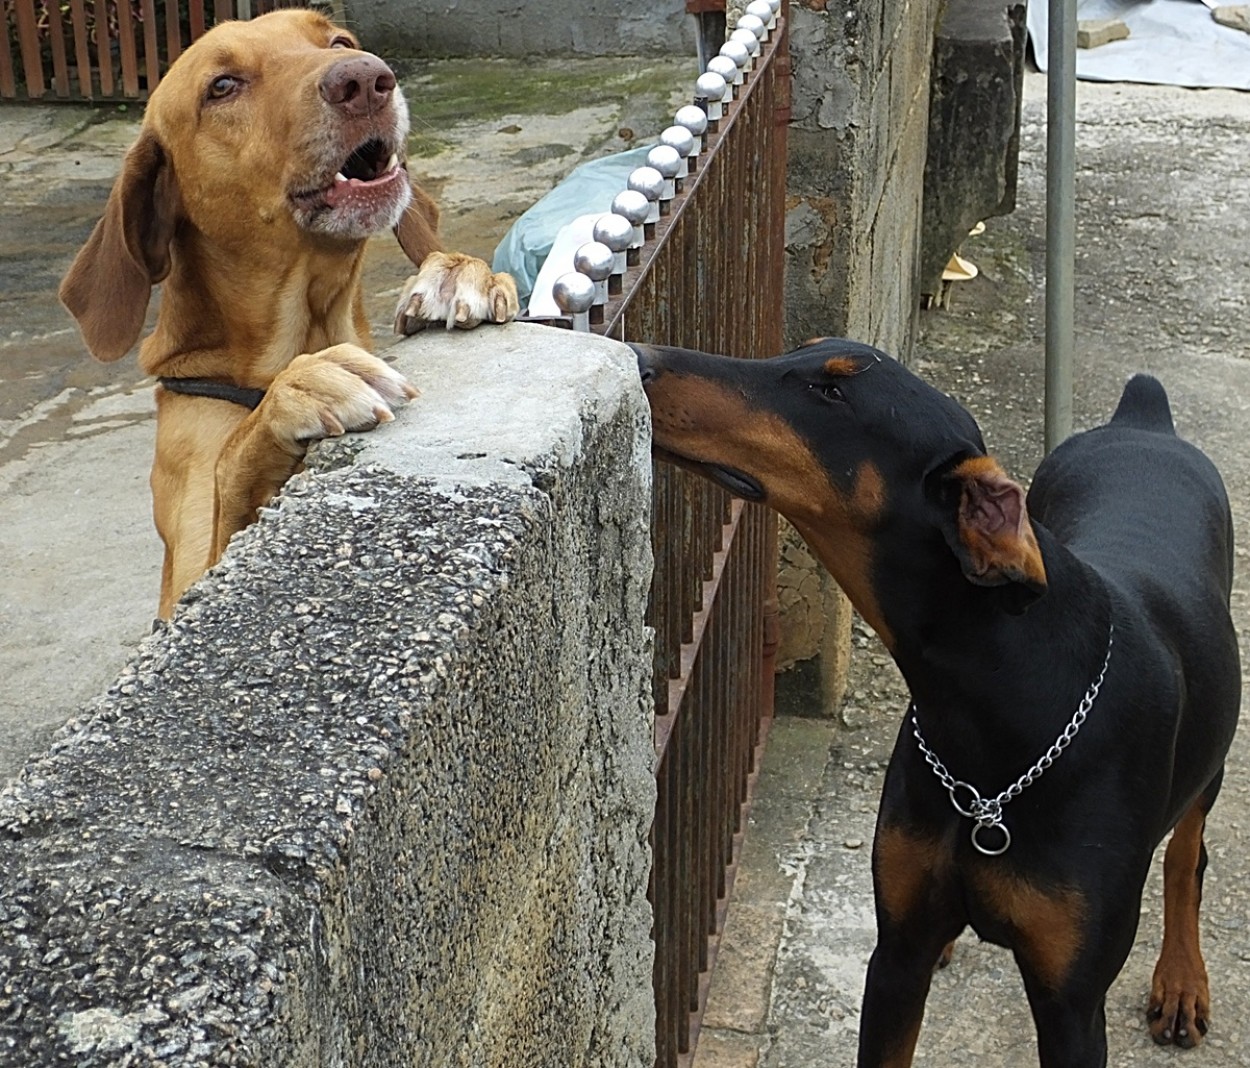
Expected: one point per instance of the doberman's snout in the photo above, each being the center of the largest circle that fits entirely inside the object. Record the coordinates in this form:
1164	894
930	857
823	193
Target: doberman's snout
648	364
358	86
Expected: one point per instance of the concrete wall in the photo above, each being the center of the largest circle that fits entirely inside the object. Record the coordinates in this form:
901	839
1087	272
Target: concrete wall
380	793
523	27
858	140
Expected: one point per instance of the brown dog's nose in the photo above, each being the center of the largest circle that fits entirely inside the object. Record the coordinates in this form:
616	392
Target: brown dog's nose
358	86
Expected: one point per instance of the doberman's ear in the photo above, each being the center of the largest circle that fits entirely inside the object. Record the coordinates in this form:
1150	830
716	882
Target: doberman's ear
417	229
988	528
110	281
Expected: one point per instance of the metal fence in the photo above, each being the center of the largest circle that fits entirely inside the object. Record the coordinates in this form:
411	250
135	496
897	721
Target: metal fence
104	49
708	275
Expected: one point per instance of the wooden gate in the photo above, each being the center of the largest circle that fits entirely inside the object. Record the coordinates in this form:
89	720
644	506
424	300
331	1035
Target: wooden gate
105	49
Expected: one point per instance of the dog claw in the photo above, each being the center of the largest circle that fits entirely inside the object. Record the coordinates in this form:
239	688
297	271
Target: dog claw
408	318
1179	1030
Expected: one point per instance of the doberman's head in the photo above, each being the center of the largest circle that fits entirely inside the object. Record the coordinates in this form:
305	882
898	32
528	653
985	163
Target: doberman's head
881	473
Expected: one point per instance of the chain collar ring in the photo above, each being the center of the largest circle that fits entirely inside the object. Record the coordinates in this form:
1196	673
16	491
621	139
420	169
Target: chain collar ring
987	812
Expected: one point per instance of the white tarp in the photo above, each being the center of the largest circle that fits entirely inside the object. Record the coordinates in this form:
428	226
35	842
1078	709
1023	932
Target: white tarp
1170	42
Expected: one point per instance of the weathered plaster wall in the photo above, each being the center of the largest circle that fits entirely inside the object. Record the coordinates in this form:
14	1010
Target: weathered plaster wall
858	140
380	793
523	27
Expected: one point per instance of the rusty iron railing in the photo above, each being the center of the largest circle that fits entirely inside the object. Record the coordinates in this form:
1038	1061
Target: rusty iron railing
708	276
104	49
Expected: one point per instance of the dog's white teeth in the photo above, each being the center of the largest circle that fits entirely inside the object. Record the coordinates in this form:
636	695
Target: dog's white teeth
340	177
393	162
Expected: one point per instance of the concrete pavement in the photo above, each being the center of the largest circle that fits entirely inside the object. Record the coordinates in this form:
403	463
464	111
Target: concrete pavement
1163	285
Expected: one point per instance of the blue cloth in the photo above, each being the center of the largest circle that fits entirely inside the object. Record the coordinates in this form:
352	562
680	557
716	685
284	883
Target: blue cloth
590	187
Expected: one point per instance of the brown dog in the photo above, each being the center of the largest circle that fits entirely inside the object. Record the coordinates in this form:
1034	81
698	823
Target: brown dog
269	153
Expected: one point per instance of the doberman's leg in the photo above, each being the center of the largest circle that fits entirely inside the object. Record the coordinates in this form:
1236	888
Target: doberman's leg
1180	1001
917	916
895	992
1071	1025
1069	945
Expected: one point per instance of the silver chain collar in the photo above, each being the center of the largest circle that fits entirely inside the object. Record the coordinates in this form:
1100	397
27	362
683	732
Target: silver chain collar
988	811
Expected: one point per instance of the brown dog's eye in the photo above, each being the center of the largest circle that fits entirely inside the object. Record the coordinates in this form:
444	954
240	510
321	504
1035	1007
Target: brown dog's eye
222	86
342	42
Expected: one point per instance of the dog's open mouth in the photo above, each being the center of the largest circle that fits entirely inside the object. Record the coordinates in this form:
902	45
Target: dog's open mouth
367	190
736	482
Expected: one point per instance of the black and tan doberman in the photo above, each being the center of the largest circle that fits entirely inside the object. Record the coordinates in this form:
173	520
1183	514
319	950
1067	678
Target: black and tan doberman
1071	660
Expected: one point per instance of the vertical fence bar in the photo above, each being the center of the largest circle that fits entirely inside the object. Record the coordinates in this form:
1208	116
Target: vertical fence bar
82	48
8	76
103	48
28	41
173	33
151	52
56	43
127	50
196	18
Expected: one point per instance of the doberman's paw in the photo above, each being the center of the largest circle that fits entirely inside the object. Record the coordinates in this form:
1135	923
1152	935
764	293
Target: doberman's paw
1180	1008
327	393
455	290
944	958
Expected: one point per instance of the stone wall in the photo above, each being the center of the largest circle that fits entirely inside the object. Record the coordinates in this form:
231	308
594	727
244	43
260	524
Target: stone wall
380	793
858	140
523	27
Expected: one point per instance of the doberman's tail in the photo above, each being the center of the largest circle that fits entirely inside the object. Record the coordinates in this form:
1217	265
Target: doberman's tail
1144	405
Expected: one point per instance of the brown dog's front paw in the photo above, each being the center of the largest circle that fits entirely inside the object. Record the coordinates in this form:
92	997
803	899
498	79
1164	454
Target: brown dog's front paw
1180	1007
455	291
327	393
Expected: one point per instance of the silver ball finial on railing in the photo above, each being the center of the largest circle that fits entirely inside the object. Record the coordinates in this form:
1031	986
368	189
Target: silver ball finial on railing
749	40
666	160
727	69
574	294
711	89
594	260
650	183
765	12
635	207
617	232
694	119
739	53
755	24
682	142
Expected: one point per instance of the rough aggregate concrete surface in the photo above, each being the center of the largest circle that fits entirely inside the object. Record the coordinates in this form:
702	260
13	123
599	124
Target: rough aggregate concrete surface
1163	281
379	794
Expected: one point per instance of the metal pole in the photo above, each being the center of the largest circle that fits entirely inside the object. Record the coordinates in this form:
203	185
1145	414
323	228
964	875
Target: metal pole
1060	218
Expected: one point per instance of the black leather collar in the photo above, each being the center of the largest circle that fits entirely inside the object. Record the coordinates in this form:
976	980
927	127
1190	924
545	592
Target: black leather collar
207	387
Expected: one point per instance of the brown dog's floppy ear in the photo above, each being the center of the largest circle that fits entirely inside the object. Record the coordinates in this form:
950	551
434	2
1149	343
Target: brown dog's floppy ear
990	531
108	285
417	229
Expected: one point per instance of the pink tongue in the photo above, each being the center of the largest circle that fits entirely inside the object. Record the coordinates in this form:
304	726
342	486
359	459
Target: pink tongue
354	188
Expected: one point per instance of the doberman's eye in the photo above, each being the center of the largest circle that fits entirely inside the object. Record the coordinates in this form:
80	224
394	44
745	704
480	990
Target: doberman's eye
223	86
831	392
